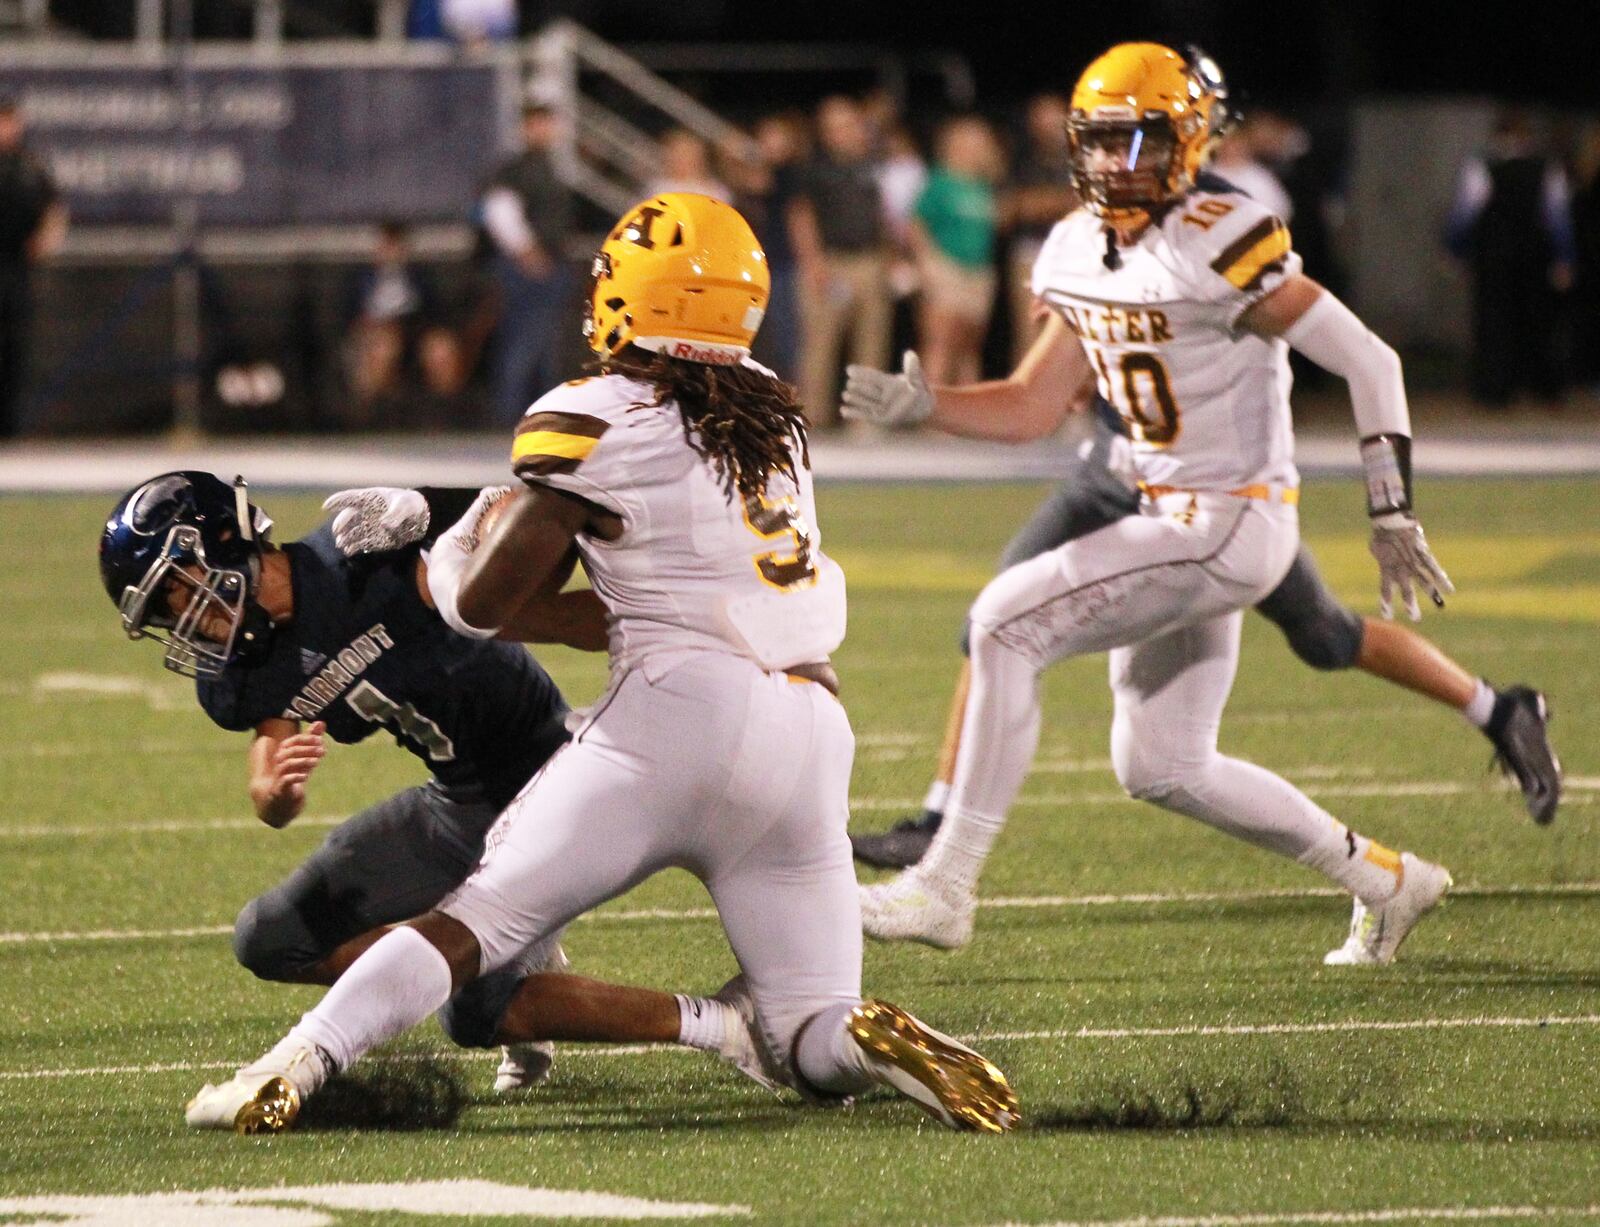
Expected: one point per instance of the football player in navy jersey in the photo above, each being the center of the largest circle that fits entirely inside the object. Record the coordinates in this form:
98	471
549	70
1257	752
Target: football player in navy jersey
300	642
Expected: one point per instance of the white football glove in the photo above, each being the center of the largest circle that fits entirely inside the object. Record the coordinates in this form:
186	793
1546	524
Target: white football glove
1404	559
885	399
376	518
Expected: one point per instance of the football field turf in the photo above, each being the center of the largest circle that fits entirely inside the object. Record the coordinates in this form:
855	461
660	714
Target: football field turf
1153	989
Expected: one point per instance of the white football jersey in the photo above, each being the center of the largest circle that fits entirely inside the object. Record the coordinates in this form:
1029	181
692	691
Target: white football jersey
1207	404
694	569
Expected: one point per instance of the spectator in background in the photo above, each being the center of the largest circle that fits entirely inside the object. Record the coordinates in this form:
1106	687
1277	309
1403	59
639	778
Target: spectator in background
396	332
1586	270
685	161
528	214
1511	222
33	225
953	234
471	23
902	174
1040	194
763	191
836	226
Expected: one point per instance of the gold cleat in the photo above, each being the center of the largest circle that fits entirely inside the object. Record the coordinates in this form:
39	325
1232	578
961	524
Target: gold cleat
955	1085
246	1104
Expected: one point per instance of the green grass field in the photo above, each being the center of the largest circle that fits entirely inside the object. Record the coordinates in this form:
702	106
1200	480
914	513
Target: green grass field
1181	1056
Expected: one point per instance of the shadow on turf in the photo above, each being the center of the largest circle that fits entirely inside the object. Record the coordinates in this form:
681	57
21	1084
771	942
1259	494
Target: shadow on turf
1182	1099
401	1096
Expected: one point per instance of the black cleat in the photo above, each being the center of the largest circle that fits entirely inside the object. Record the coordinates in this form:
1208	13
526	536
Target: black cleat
1520	731
901	846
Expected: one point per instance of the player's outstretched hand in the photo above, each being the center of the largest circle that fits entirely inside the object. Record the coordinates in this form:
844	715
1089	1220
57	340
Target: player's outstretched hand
371	519
1404	560
885	399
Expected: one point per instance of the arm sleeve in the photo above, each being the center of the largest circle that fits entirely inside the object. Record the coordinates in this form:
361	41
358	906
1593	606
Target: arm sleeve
1331	336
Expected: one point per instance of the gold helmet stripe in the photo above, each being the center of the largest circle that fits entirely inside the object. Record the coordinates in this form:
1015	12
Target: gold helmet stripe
1246	260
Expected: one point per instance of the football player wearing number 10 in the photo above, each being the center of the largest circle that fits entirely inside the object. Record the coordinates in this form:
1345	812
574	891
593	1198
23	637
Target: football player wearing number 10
1181	304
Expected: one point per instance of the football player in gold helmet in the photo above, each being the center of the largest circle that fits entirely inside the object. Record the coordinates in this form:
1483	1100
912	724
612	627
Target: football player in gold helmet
681	477
1175	300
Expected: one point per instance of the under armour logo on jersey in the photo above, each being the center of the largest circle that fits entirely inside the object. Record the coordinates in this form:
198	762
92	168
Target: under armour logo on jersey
311	661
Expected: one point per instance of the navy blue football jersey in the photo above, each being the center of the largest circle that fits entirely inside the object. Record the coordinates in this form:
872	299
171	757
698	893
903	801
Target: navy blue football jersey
363	653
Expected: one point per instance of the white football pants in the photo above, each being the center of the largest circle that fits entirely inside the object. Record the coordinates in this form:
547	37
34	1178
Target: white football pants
740	777
1164	592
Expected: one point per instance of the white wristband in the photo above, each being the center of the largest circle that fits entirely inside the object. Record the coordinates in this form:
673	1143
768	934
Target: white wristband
446	562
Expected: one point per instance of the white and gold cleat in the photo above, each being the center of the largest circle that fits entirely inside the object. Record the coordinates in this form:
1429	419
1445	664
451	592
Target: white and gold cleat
265	1096
245	1103
955	1085
1376	932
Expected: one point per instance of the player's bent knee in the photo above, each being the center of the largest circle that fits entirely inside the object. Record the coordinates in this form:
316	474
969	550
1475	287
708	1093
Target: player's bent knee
270	941
966	637
472	1017
1328	640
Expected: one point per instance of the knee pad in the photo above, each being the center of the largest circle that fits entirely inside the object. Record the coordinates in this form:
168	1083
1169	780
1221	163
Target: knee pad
272	942
472	1017
1321	631
1325	638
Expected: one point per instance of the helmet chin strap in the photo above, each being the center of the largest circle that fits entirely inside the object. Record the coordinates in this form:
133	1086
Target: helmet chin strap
254	635
1113	258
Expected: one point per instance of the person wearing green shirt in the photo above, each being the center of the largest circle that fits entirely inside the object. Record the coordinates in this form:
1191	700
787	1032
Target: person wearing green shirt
953	234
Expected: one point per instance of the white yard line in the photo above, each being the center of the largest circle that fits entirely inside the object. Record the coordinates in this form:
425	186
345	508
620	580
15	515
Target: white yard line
1576	890
1341	1027
1288	1218
1324	1028
1580	791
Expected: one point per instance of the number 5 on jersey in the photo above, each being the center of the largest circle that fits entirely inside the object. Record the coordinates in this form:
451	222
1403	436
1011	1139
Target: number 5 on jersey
776	519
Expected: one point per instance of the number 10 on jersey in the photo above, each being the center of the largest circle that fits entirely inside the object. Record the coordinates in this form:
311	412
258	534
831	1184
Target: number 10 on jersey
1142	395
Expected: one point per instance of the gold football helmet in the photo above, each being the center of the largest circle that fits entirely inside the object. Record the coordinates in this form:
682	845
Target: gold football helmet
1143	122
682	275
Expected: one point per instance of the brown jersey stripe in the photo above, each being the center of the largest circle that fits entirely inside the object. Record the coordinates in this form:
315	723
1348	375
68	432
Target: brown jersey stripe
564	424
1237	250
544	466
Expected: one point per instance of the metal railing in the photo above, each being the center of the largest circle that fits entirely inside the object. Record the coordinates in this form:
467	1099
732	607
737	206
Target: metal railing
603	155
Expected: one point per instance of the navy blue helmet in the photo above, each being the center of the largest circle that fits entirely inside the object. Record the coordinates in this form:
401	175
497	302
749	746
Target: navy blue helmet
181	557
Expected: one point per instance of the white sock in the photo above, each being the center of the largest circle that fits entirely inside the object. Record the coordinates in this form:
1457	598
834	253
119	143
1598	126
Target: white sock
702	1022
938	796
392	987
959	850
1366	869
1480	706
999	733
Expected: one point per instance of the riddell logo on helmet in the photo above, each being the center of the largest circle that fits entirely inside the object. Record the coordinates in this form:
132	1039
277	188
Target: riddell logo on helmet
720	356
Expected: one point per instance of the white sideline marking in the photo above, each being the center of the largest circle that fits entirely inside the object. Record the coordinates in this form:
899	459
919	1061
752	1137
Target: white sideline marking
1339	1028
1288	1218
633	915
1345	1026
302	1207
